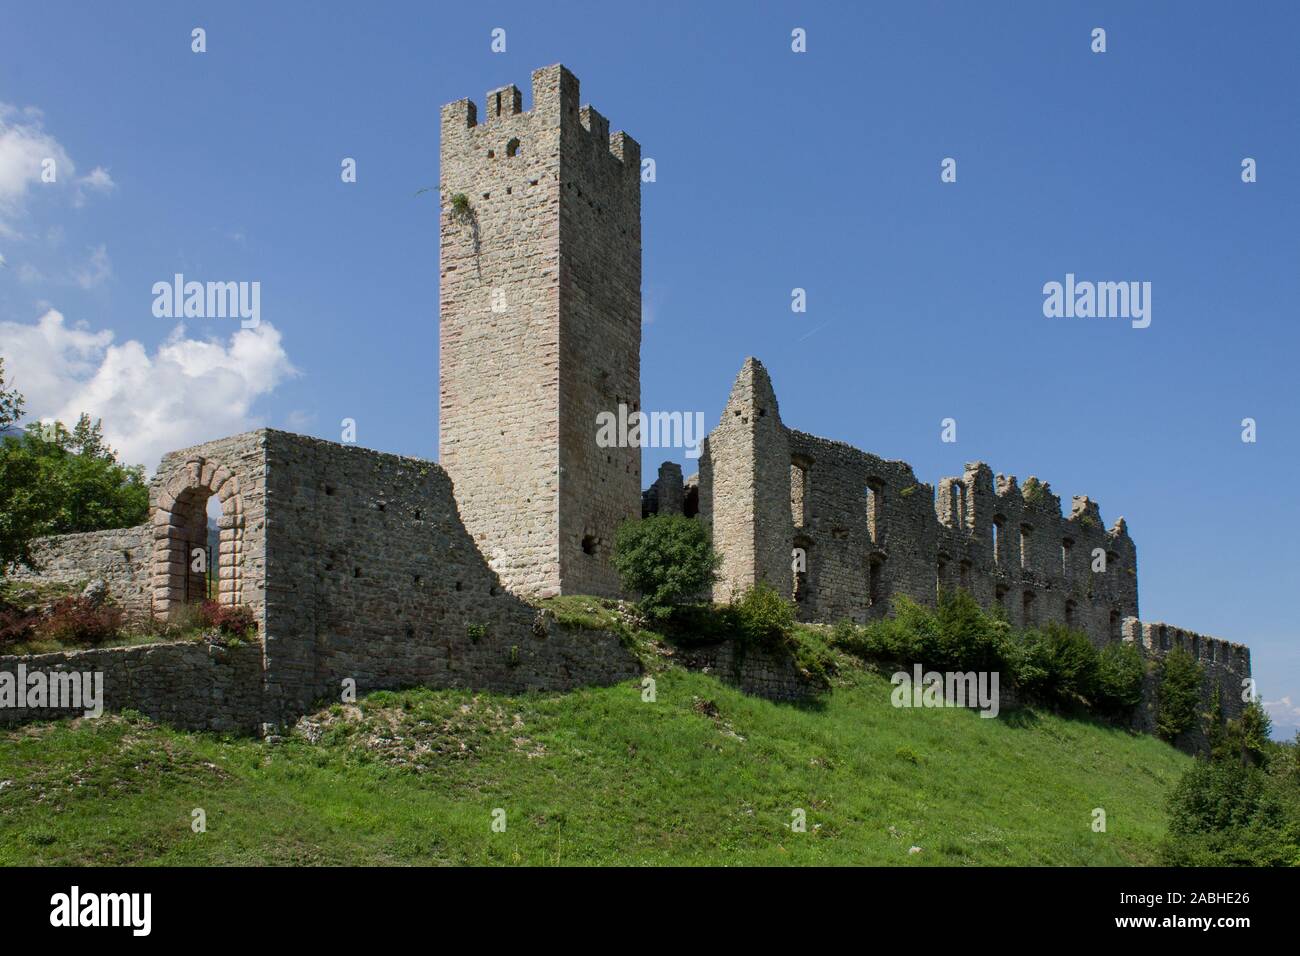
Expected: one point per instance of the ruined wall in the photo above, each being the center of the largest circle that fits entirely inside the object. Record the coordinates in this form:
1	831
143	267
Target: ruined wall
866	530
540	325
1226	665
753	670
195	686
666	496
233	471
372	576
744	488
119	557
148	568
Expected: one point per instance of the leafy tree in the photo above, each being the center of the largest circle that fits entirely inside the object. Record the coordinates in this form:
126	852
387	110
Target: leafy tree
11	402
1248	735
1119	678
56	481
666	559
1178	693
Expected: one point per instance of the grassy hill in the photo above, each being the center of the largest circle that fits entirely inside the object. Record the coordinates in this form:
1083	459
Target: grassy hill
704	775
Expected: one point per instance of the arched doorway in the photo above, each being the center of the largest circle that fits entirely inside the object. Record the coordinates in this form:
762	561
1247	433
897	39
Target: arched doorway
180	526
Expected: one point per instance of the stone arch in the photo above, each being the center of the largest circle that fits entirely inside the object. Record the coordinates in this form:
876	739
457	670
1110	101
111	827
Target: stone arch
180	518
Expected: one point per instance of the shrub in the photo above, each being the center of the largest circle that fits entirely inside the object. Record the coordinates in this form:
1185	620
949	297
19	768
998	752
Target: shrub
666	559
1178	693
1224	814
1056	664
1119	679
763	617
956	635
235	621
17	625
76	620
1248	735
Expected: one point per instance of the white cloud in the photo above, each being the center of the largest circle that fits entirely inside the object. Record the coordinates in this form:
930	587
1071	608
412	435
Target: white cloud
96	270
1284	713
98	179
186	391
25	148
28	155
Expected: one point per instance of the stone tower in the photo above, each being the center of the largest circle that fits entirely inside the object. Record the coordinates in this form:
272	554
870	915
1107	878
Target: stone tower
540	283
745	495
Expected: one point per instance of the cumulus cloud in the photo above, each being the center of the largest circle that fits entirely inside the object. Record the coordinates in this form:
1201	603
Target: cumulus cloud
185	391
1284	713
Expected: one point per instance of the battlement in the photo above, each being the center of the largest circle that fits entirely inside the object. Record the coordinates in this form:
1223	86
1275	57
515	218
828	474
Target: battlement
555	106
540	330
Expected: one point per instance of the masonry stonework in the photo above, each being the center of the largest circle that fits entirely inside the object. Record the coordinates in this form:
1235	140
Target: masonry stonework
540	331
371	570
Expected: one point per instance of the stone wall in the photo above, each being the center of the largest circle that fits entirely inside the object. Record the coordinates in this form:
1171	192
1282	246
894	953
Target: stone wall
745	488
751	670
373	577
195	686
233	471
540	326
1226	665
356	566
865	530
119	557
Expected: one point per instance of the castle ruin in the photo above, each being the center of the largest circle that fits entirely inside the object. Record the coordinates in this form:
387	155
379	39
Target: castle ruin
391	571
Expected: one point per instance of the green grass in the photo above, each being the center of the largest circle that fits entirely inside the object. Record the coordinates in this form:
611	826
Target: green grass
704	775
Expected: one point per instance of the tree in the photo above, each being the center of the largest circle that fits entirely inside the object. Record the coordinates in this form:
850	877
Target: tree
1248	735
1216	727
56	481
666	559
1178	694
1119	678
11	402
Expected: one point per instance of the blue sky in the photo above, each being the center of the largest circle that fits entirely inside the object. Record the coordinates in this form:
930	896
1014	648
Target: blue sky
775	170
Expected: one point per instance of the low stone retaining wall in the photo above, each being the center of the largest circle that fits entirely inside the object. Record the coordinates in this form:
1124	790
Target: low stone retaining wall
194	686
751	670
119	557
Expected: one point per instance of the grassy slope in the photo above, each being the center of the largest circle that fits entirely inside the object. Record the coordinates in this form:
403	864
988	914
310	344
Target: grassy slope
595	776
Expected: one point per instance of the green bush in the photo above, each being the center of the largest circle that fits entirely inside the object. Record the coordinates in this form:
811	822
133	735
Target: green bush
1178	693
666	559
1222	813
763	617
956	635
1056	664
1119	679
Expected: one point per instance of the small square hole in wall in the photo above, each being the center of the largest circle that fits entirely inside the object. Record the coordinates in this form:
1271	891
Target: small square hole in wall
329	490
356	572
589	544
